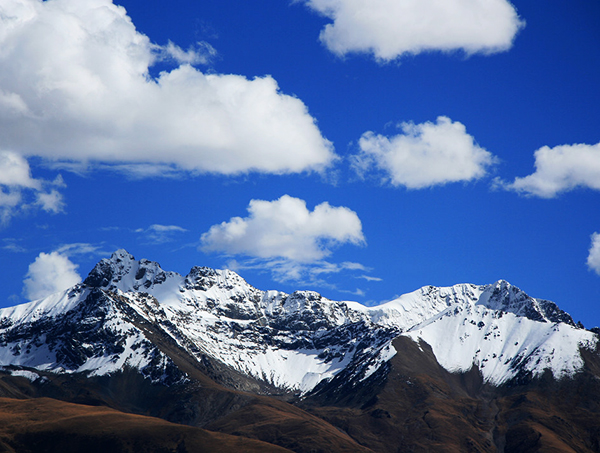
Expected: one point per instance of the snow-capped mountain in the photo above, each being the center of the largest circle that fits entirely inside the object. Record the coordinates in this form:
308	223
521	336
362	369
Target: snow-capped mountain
498	328
288	342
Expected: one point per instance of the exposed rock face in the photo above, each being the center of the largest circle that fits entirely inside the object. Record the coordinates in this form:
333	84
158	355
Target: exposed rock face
505	297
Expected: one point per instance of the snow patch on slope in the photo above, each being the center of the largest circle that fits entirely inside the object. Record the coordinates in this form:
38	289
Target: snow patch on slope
424	303
51	306
81	330
502	345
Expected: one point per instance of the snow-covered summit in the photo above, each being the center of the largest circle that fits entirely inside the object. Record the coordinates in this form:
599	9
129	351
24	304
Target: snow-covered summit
508	298
220	292
410	309
122	271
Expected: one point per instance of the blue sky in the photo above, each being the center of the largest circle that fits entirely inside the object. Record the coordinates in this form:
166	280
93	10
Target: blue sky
361	149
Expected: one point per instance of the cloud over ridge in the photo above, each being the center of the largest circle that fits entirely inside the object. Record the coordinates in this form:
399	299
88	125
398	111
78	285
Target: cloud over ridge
391	28
48	274
285	228
75	86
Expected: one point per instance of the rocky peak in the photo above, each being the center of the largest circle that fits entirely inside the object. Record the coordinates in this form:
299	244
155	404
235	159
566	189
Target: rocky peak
506	297
202	278
122	271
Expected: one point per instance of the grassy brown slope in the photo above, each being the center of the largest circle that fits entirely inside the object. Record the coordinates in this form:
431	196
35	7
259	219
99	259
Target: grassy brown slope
417	406
230	412
548	420
273	421
47	425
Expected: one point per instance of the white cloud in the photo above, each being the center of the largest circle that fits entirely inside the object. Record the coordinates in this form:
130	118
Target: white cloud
15	172
48	274
282	270
80	248
287	271
51	201
335	268
166	228
75	87
391	28
560	169
199	54
19	191
593	260
9	202
424	155
285	229
160	234
11	244
370	278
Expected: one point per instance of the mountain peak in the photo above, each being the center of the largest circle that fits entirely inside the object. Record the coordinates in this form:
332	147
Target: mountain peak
120	255
506	297
122	271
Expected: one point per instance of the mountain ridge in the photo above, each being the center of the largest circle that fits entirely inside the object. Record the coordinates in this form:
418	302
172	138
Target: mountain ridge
260	333
210	350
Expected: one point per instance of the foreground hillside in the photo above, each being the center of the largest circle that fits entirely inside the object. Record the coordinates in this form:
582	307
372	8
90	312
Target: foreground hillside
44	424
463	368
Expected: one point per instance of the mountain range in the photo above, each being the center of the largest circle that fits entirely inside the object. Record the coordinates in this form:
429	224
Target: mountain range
214	364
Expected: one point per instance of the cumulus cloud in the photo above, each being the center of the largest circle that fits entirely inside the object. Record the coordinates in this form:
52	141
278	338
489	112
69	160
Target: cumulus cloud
593	260
285	228
391	28
51	201
48	274
424	155
15	172
20	191
75	87
288	240
560	169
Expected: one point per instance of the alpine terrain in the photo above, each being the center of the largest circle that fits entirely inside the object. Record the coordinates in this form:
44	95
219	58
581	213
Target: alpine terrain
136	358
